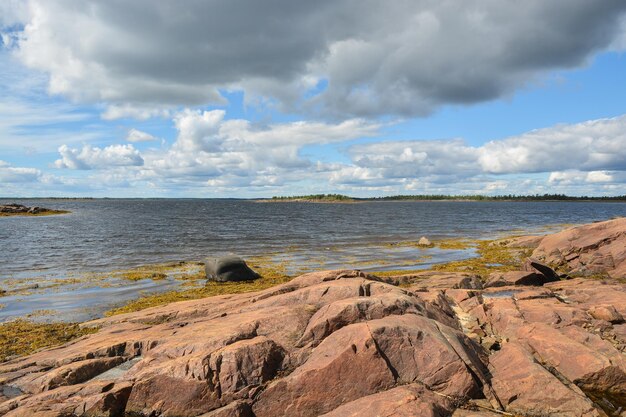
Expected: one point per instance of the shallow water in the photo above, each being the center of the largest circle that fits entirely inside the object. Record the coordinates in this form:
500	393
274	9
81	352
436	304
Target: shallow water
107	235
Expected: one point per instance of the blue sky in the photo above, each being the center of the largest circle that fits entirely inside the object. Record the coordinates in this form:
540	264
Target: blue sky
149	100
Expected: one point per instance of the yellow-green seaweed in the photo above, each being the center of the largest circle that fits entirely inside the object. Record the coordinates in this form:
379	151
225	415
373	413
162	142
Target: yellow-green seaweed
22	337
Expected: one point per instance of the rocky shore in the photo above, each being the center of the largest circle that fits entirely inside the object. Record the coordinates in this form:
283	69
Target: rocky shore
21	210
548	339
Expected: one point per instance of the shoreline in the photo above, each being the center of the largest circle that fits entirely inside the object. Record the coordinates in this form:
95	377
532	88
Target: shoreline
151	284
451	200
522	309
475	254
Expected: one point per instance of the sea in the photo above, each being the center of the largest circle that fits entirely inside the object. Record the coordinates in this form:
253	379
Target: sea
101	235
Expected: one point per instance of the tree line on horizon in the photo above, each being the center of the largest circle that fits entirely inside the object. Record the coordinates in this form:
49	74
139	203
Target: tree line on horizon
473	197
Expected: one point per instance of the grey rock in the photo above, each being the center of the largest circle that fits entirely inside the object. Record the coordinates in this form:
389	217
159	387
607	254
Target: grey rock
229	269
532	265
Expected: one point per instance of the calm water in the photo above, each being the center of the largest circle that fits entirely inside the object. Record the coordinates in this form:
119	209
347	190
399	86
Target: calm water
116	234
105	235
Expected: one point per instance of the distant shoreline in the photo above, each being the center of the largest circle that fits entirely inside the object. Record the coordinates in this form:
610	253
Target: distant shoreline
349	200
342	199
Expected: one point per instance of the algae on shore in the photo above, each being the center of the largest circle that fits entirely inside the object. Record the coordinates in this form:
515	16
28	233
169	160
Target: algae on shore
493	256
271	275
22	337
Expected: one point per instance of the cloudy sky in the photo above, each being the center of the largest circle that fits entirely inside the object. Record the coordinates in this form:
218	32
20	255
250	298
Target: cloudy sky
247	98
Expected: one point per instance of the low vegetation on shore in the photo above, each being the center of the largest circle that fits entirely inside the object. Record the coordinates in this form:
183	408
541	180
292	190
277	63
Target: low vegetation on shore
340	198
21	337
271	275
314	198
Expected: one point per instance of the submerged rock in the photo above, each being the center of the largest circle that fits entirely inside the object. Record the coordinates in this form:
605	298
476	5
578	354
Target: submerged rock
229	269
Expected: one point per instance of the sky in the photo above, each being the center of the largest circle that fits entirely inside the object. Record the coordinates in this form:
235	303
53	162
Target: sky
242	98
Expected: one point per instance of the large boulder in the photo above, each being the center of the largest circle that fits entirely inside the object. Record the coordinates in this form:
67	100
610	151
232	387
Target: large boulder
229	269
595	248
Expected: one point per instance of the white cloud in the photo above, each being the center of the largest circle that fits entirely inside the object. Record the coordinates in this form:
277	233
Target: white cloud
393	57
236	152
575	177
135	135
599	177
12	12
114	112
90	157
595	147
11	174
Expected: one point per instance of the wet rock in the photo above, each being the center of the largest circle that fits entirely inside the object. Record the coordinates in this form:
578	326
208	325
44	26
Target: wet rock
229	268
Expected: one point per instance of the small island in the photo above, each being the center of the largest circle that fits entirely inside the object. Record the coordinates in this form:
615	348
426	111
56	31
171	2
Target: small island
21	210
312	198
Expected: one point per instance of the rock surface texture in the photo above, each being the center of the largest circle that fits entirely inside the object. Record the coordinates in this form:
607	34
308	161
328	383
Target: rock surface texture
343	343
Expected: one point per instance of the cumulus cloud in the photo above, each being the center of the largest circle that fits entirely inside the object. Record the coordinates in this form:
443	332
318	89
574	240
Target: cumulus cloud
586	151
236	152
11	174
212	152
340	57
90	157
575	177
593	145
135	135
